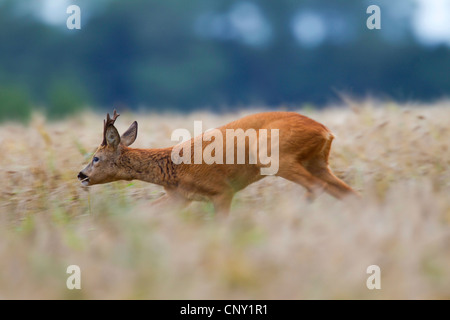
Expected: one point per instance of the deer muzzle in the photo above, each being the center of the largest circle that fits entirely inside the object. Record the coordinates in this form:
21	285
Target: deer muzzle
83	178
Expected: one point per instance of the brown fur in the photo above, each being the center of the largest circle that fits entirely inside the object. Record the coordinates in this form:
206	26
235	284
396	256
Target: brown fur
304	147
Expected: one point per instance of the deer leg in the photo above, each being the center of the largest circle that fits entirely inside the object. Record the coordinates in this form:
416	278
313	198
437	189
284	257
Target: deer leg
336	186
295	172
161	201
172	201
309	196
318	167
222	204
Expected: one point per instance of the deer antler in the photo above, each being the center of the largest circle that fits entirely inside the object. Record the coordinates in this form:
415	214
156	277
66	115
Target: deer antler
108	122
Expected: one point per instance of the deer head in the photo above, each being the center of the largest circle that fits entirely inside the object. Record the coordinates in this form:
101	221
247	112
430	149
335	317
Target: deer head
103	167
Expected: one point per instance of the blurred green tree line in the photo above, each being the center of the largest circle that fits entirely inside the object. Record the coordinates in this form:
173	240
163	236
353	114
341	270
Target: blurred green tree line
182	55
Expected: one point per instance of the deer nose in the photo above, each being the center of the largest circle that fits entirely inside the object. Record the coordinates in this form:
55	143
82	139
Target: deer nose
81	176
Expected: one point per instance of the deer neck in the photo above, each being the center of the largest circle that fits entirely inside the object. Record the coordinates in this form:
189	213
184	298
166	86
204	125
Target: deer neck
149	165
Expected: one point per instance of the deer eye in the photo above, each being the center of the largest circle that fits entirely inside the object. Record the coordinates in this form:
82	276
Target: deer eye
96	159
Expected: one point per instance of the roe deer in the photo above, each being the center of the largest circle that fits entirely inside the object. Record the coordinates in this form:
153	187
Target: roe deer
304	146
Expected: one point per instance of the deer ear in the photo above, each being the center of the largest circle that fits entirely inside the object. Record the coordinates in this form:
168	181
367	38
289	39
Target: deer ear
130	135
112	137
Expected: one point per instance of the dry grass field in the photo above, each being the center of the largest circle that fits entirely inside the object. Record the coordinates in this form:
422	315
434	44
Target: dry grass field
274	245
